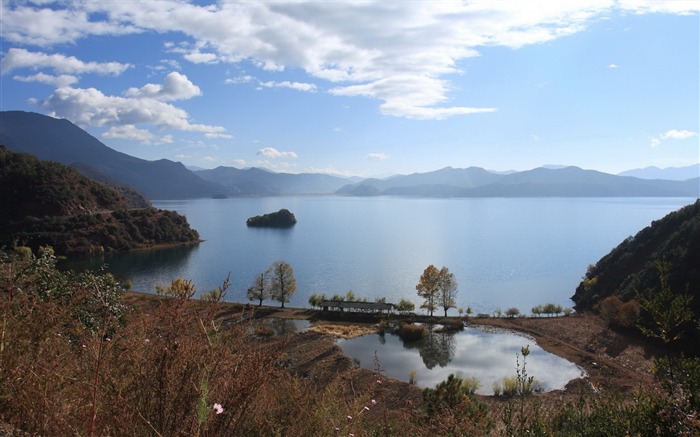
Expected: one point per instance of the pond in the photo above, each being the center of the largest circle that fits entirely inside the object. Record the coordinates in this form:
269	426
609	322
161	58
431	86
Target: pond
488	355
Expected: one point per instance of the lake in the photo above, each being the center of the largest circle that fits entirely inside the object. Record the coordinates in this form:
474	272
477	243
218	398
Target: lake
504	252
488	355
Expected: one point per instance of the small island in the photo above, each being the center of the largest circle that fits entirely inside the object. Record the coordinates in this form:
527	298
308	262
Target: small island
280	219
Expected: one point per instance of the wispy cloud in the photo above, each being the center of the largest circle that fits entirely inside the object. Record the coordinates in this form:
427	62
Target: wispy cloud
673	134
399	53
22	58
299	86
272	153
377	156
48	79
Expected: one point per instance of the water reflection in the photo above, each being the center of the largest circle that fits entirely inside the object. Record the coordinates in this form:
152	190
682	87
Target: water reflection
162	265
437	348
488	355
280	327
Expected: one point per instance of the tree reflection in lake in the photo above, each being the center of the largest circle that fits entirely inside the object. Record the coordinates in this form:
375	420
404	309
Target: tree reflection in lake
487	355
436	348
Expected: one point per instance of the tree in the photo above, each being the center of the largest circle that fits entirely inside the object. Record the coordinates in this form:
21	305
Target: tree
282	282
405	306
260	289
448	289
428	287
512	312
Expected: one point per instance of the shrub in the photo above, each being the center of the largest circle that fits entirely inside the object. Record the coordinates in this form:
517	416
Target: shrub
411	332
512	312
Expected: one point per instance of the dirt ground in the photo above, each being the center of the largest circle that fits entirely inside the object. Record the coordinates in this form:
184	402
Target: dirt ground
611	360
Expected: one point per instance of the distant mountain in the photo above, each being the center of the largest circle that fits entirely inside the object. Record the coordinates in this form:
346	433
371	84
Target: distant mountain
670	173
539	182
444	182
60	140
256	181
45	203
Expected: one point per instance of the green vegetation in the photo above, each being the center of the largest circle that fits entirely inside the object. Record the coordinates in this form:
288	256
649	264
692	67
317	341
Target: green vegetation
632	267
74	357
54	205
280	219
282	282
438	288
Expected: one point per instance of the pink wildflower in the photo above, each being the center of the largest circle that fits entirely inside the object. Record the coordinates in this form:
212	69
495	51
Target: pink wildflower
374	402
349	417
366	408
218	408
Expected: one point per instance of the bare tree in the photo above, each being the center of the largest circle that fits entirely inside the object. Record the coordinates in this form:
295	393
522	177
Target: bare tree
260	289
447	289
282	282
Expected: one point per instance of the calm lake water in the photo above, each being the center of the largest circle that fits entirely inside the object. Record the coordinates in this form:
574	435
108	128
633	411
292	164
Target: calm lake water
503	252
487	355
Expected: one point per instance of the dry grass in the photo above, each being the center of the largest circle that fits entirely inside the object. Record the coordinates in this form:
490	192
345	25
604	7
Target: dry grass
343	331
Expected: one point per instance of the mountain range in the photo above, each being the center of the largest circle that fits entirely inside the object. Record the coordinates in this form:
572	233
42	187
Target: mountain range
61	141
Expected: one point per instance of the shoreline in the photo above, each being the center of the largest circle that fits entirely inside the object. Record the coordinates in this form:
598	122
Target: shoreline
609	358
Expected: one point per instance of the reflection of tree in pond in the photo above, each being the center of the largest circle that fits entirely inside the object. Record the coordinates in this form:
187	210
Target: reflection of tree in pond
437	348
282	326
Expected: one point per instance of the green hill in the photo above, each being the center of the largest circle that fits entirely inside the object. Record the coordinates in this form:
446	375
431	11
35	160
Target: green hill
46	203
631	267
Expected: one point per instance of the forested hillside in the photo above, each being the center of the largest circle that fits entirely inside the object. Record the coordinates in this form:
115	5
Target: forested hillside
632	269
658	272
46	203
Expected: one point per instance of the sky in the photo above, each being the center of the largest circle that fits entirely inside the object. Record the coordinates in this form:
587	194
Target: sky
365	88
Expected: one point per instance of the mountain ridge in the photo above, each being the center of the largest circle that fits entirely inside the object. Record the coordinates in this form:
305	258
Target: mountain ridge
62	141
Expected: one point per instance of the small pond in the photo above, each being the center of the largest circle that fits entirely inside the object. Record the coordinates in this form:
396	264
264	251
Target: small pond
489	355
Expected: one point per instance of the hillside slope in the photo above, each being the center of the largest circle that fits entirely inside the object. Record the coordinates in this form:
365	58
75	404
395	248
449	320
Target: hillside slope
631	267
46	203
60	140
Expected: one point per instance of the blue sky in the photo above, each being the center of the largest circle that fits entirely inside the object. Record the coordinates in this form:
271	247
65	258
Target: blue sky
365	88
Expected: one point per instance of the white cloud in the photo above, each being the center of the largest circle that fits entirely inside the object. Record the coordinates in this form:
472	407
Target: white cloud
57	81
239	79
201	58
673	134
299	86
53	25
91	107
213	135
271	152
399	53
131	132
176	86
613	66
22	58
238	162
377	156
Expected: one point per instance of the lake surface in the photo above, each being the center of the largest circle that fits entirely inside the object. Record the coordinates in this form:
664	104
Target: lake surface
504	252
488	355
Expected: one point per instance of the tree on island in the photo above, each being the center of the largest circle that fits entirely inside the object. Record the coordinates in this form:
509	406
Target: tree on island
447	289
260	289
282	282
428	287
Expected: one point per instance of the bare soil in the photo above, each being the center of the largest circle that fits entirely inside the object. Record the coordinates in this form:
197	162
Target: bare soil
612	361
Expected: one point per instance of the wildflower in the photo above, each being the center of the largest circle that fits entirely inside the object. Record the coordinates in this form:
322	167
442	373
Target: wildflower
146	341
218	408
374	402
349	417
379	381
366	408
